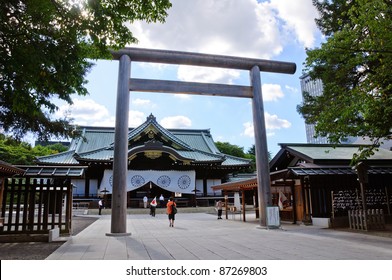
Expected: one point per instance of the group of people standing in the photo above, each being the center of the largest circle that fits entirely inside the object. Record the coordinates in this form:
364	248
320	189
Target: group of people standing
161	201
170	207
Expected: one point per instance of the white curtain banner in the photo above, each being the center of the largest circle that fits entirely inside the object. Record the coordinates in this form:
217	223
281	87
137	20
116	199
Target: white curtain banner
170	180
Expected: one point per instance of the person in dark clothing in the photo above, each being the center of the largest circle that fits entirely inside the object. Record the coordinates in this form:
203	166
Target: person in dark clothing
219	206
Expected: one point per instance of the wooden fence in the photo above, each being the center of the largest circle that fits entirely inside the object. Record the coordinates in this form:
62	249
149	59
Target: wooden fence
373	220
35	206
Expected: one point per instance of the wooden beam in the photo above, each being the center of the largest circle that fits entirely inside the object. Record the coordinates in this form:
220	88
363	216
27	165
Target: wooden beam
207	60
262	163
148	85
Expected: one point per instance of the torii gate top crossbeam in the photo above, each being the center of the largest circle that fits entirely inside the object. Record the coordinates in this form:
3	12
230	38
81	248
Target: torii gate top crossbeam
208	60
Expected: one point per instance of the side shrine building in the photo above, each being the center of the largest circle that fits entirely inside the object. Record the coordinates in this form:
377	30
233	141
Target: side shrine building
181	162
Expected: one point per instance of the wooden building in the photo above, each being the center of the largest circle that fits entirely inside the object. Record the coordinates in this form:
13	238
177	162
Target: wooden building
6	170
185	162
316	183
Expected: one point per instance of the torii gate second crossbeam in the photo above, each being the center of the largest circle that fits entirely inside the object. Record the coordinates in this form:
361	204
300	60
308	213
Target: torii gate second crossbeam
126	84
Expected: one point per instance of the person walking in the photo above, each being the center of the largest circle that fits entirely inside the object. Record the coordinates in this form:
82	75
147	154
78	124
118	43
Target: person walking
153	206
171	211
100	206
161	201
145	201
219	206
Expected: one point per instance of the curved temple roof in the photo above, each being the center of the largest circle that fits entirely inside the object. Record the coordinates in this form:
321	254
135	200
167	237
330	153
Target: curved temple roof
97	145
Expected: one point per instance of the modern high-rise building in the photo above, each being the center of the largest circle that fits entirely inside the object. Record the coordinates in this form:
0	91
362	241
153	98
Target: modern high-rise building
314	88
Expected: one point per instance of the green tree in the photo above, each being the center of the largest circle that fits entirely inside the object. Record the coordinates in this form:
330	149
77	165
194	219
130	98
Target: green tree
230	149
252	150
17	152
251	154
46	49
354	66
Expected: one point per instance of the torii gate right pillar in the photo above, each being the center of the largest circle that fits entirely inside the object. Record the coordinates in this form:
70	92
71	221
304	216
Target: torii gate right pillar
262	162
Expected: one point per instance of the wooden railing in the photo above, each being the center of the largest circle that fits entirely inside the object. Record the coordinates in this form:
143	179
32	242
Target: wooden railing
374	219
36	206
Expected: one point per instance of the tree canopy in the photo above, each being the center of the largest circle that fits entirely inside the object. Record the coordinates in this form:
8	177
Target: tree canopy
230	149
18	152
46	49
237	151
354	65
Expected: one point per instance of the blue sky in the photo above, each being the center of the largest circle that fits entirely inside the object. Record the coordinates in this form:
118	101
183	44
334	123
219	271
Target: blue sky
273	29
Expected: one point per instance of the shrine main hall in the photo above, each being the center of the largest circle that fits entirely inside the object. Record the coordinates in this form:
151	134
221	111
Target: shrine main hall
181	162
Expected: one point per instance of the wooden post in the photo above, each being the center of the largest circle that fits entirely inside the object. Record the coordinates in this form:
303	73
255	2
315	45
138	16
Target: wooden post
262	163
2	179
388	205
120	159
226	206
363	180
243	206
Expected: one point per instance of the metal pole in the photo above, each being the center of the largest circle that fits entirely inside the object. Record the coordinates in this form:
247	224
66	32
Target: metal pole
262	163
120	159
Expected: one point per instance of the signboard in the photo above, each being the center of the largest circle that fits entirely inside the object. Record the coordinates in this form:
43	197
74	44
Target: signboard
273	219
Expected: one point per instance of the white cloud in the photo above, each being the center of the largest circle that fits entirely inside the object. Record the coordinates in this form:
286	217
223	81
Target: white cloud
136	118
232	27
292	89
299	16
247	28
272	92
207	75
226	27
141	102
144	104
249	130
183	96
84	112
88	112
176	122
272	122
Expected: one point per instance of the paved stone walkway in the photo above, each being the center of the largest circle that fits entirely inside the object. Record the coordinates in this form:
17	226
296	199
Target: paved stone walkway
200	236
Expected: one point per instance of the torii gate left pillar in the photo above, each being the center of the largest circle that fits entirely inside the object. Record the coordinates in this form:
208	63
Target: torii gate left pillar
120	164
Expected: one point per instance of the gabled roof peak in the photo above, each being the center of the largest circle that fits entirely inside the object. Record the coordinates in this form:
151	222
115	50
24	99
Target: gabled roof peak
151	123
151	117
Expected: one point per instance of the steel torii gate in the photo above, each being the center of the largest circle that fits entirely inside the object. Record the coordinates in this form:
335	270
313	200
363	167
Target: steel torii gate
127	84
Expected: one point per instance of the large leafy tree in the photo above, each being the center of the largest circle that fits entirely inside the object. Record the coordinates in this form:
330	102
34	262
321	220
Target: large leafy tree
46	49
17	152
354	64
230	149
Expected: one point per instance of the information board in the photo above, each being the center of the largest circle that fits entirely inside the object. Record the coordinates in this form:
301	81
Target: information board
273	218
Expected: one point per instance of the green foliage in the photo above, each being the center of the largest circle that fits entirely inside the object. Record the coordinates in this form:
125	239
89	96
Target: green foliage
252	150
44	50
354	66
230	149
234	150
21	153
252	153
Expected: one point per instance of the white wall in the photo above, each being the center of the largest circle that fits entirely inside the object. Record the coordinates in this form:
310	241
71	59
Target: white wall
213	182
80	187
210	182
199	186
